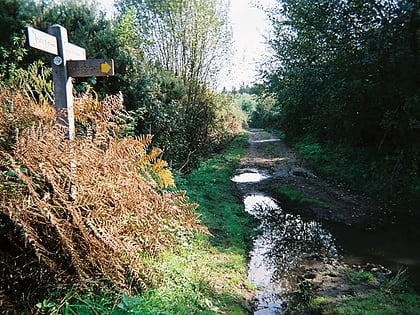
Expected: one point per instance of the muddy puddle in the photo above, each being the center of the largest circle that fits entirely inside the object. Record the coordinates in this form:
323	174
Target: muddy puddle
285	239
249	176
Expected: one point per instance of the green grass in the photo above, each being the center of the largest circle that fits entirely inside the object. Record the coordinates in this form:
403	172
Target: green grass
296	196
207	276
221	211
386	297
278	133
356	277
378	303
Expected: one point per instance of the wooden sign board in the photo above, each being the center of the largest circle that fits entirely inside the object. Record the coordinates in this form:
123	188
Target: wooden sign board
48	43
90	68
41	40
73	52
68	61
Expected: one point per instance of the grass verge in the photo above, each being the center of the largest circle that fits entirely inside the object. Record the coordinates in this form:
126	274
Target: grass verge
205	276
372	170
379	296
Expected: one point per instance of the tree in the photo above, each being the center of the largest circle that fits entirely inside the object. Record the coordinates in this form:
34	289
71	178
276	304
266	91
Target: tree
185	39
346	70
346	76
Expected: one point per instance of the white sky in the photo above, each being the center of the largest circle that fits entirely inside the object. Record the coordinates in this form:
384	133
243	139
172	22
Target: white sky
250	27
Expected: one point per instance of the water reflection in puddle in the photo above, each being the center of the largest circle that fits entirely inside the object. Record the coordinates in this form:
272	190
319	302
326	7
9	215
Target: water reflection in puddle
266	140
249	176
283	240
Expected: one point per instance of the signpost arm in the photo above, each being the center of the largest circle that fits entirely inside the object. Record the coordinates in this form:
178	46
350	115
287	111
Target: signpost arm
63	87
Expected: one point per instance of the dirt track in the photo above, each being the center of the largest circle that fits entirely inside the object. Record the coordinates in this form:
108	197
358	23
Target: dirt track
274	157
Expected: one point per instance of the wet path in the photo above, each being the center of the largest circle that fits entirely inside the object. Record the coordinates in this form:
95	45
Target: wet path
286	238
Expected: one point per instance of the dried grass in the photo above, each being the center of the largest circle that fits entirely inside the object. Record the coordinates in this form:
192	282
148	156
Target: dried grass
92	208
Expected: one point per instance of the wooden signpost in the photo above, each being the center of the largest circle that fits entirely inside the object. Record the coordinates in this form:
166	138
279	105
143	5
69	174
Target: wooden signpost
68	61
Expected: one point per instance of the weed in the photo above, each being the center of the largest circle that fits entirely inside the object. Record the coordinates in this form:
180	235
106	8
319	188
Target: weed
357	276
399	282
389	296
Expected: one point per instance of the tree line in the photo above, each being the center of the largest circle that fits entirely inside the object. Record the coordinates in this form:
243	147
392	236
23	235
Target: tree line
346	73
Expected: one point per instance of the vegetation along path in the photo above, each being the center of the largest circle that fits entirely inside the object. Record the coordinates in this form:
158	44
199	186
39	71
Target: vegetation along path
297	261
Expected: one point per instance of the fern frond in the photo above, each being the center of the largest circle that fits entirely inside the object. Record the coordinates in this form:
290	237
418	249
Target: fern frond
119	216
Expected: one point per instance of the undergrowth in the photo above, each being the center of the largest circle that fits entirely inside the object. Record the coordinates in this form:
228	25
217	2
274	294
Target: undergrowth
295	196
385	296
92	211
370	170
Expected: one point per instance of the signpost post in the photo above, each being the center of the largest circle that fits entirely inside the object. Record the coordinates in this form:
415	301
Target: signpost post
68	61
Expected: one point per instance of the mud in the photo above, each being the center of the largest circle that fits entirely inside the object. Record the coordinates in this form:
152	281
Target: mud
272	156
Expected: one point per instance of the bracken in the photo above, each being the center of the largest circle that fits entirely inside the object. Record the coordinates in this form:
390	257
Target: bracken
91	208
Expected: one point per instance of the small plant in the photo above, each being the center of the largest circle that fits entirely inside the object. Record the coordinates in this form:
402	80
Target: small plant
320	302
399	282
391	296
356	277
300	301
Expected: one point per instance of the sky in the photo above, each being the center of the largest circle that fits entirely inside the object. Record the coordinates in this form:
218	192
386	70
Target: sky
250	26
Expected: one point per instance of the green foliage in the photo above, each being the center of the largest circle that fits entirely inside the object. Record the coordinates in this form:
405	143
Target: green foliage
188	38
247	103
178	47
220	210
345	75
374	296
356	277
86	26
364	169
378	303
95	300
14	16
